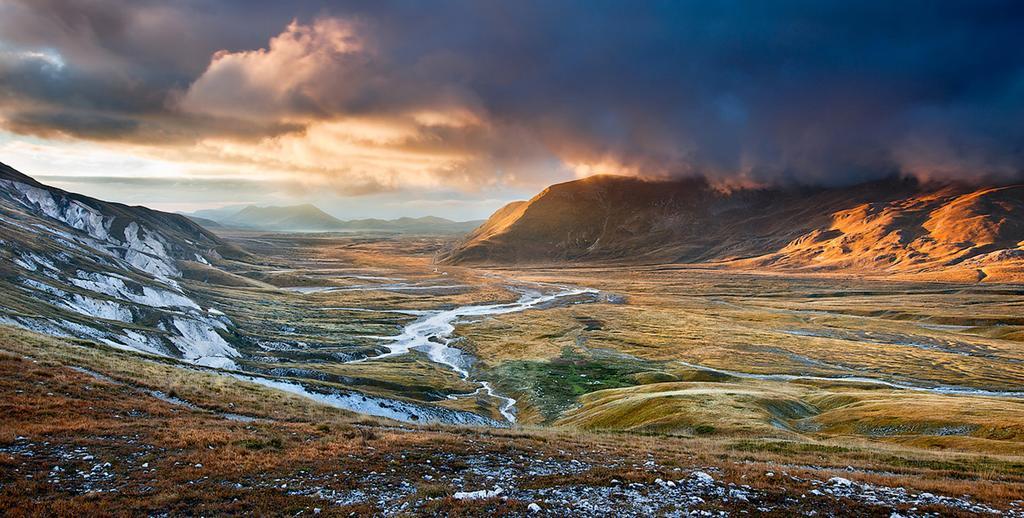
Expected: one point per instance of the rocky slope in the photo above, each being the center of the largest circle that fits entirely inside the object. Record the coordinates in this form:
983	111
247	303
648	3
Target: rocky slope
80	267
892	226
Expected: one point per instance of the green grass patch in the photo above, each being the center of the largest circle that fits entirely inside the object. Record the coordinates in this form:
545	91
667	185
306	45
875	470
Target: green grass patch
257	444
554	386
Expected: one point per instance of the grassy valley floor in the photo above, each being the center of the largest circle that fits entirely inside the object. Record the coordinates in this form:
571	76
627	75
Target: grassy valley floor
670	390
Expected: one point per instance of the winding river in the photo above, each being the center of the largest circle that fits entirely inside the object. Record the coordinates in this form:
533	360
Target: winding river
432	334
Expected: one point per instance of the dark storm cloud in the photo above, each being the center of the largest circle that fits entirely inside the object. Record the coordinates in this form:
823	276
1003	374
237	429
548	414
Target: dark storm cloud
811	91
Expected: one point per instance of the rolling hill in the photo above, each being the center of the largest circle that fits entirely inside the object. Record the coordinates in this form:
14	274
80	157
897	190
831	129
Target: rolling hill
893	226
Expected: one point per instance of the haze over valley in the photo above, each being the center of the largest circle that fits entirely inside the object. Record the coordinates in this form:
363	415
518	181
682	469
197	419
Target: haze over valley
309	218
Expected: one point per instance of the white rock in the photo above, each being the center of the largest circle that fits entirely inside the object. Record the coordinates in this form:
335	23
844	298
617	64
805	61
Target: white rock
476	495
702	478
738	495
840	481
533	507
105	309
114	286
198	339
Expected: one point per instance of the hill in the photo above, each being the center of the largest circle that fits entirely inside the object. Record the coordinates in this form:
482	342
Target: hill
888	226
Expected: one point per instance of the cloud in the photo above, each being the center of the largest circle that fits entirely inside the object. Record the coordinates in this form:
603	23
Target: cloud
366	97
307	71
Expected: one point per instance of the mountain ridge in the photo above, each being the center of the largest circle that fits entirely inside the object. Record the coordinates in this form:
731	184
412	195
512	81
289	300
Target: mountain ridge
892	225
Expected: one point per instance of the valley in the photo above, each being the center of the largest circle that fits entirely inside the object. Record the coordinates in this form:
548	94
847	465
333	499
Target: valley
661	349
511	259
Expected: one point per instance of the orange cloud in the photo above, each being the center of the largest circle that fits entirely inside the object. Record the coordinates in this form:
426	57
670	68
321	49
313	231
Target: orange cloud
359	126
301	68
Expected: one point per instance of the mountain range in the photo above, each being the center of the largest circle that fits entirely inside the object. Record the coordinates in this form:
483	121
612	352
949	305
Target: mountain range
309	218
892	226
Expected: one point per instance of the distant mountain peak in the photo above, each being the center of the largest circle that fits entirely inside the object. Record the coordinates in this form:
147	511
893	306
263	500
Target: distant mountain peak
305	217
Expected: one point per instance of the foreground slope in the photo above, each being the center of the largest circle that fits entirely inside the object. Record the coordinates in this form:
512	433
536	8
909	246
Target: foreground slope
90	431
890	226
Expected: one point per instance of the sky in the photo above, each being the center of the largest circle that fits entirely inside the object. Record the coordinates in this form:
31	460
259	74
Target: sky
408	108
